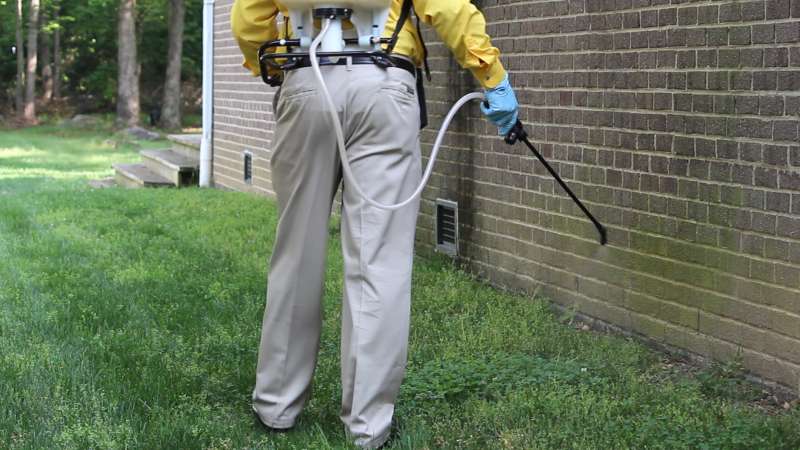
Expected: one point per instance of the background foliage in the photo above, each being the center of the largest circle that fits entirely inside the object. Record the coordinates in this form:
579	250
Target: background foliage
89	48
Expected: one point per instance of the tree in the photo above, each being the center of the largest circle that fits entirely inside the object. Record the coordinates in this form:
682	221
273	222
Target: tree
20	62
57	53
171	108
46	64
29	112
128	66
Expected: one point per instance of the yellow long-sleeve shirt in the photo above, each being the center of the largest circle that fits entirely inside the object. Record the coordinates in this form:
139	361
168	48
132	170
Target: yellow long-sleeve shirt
458	23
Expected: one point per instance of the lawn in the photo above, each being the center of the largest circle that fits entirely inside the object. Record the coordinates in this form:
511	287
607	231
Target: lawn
130	319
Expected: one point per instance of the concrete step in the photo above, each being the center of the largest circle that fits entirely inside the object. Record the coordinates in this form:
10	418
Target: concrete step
186	144
138	175
103	183
179	168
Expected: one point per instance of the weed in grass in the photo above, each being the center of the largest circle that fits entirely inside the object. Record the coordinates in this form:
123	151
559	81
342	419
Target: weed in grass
726	380
489	377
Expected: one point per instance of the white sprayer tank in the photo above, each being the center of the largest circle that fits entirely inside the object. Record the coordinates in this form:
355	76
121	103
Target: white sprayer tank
367	16
352	4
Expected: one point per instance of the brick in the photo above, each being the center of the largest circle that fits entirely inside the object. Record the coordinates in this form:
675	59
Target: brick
751	57
763	33
794	57
794	155
786	130
792	106
753	198
787	276
788	227
729	58
730	12
742	81
776	155
787	32
766	177
778	201
742	175
770	105
706	58
776	57
753	11
751	128
751	151
708	14
746	104
731	195
754	245
720	171
789	180
739	35
776	249
794	252
765	81
764	223
698	80
789	81
778	9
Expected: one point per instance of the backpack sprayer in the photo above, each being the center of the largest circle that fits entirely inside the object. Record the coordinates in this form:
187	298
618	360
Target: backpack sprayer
363	40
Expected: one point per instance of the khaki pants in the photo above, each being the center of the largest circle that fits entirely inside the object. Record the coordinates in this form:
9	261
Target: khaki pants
380	117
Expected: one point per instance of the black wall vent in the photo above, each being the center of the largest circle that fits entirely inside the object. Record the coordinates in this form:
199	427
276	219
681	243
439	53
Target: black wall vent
248	167
447	227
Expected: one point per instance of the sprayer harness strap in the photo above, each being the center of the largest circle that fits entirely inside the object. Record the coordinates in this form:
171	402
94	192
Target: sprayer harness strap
401	21
405	11
399	62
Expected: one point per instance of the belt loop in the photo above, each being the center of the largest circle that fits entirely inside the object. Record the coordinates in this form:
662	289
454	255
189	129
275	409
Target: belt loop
349	63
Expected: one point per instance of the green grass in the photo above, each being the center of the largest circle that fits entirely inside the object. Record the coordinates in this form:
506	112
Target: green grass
130	319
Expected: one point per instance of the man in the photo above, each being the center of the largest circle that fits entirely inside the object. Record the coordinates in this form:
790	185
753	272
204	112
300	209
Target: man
380	115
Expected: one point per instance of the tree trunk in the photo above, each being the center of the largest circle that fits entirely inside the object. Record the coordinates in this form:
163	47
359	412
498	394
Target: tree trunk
18	88
57	56
47	68
29	113
171	108
128	67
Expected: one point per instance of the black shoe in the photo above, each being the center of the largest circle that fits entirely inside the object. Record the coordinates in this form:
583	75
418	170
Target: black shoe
269	428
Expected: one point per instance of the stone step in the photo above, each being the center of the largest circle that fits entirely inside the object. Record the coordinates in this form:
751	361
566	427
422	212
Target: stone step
138	175
103	183
180	169
186	144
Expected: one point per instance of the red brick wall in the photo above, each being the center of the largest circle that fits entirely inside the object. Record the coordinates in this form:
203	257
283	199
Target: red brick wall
677	123
242	113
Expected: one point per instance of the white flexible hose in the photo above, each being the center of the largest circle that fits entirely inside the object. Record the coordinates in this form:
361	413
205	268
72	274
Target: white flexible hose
348	173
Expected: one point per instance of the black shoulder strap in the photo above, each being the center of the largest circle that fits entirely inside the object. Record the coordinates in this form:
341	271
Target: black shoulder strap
401	21
405	11
424	51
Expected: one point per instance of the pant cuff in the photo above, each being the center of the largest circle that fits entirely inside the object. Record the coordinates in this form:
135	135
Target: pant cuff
273	423
375	442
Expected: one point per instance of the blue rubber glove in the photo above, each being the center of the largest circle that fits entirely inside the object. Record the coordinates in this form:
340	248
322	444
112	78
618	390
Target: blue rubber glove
503	108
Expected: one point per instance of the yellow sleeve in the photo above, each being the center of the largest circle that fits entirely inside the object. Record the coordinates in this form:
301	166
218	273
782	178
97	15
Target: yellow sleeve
463	29
253	23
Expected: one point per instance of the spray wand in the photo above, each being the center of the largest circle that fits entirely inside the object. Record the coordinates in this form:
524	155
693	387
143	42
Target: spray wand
518	133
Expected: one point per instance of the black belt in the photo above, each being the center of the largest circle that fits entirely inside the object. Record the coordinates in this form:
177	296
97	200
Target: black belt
400	63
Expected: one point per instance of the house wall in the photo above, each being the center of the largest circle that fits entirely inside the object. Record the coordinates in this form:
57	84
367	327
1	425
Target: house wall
675	121
242	113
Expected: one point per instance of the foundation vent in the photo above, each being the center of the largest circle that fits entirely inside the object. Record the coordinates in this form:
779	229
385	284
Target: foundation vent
447	227
248	167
